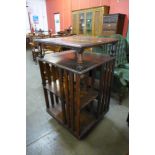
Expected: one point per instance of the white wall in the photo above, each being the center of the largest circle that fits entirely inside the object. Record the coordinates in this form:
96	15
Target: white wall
37	8
27	23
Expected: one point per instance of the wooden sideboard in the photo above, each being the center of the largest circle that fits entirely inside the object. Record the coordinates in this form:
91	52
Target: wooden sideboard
113	24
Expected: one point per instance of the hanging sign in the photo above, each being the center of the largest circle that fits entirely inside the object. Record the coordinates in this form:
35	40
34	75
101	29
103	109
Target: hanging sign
35	19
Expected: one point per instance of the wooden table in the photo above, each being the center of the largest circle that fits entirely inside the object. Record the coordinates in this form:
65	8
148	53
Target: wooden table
71	95
77	43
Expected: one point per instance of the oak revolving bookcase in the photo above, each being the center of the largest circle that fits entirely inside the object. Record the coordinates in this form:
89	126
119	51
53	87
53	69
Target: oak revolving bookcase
72	94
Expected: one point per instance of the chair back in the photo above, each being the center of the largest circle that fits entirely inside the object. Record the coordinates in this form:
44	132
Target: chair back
121	51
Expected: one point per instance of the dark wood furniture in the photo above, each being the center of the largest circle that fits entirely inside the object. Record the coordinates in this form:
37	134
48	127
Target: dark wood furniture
113	24
121	70
78	43
89	21
70	94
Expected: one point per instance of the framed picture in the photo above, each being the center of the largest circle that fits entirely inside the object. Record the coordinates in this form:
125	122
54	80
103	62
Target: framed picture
36	19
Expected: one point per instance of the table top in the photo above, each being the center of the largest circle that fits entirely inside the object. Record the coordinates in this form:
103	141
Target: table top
77	41
67	60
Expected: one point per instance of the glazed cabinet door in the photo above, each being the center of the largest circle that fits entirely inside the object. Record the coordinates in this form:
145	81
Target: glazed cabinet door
81	23
98	19
89	23
75	23
97	22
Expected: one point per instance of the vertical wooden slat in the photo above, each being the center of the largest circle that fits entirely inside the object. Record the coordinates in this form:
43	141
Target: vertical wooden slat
71	94
52	99
48	73
43	76
62	94
100	96
87	81
46	98
104	87
41	50
111	69
108	85
54	78
57	99
78	104
93	72
67	97
54	73
51	94
42	70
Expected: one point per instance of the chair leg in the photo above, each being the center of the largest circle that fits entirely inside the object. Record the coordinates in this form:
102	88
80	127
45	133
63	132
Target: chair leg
120	99
33	56
36	55
127	119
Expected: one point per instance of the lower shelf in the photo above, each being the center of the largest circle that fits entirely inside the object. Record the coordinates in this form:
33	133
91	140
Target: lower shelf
86	96
87	120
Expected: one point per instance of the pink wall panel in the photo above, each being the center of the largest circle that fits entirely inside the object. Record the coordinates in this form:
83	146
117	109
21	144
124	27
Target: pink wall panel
59	6
75	4
94	3
83	4
64	7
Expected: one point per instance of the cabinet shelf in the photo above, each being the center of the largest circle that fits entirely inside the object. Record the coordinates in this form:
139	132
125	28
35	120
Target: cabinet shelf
85	96
87	120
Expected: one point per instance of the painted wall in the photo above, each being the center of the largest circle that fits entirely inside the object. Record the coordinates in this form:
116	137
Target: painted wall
59	6
64	7
37	8
82	4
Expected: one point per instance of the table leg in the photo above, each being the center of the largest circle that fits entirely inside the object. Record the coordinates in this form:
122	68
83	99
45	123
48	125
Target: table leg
79	58
40	47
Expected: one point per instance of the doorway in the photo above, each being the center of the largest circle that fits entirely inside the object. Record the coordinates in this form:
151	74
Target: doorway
57	22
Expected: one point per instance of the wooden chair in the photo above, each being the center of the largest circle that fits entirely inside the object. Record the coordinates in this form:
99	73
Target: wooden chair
47	49
35	51
121	70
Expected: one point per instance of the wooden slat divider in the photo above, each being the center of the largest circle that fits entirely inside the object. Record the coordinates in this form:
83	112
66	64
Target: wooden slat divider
46	98
42	72
66	91
100	96
104	87
60	71
71	99
93	72
111	69
78	104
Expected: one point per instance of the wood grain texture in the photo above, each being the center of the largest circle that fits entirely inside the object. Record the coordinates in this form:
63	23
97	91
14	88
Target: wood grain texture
76	41
77	103
67	60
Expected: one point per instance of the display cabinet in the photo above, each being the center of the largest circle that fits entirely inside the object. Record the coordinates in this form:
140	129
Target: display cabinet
89	21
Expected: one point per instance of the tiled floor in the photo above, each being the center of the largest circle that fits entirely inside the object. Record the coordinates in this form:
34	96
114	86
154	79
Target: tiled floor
46	137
